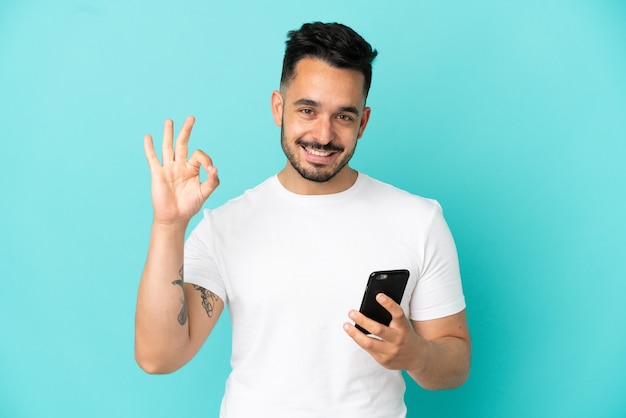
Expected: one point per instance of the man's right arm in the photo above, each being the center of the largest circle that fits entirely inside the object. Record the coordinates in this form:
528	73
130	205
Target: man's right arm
173	318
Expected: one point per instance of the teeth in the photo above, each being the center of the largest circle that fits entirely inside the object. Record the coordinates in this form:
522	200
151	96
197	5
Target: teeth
319	153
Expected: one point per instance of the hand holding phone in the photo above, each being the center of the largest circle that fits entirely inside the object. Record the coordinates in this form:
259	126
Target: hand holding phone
390	282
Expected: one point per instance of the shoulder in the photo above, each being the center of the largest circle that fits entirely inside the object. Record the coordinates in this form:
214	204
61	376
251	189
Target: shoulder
379	192
239	211
255	196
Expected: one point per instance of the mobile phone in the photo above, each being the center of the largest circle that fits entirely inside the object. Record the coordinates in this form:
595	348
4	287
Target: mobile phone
390	282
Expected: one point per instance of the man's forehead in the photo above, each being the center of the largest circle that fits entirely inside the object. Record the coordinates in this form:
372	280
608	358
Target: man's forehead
316	80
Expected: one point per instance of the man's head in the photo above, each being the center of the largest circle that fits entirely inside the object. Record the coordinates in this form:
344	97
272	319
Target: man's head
334	43
321	107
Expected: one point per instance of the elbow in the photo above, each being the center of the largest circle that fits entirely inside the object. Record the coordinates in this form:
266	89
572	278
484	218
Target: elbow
153	363
151	367
448	383
454	382
456	378
451	377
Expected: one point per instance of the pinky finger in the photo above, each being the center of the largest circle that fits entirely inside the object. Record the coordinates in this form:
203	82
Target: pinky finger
148	147
210	184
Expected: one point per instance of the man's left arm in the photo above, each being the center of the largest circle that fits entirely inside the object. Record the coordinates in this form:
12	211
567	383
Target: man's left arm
435	353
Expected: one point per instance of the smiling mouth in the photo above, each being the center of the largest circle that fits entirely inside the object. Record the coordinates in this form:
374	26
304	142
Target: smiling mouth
317	152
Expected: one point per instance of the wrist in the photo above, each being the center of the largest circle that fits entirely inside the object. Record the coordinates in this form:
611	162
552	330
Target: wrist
169	227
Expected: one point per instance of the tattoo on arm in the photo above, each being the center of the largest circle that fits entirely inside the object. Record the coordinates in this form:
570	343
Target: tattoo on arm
208	299
182	315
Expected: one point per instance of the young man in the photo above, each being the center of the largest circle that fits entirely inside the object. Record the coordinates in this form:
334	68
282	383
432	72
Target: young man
291	259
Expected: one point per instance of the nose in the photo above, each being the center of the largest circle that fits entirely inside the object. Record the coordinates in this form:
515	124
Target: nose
323	132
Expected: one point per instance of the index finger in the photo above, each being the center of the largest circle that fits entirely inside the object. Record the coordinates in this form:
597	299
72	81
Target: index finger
181	150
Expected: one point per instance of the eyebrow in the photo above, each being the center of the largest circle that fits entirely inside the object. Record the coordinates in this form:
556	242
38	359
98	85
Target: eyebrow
313	103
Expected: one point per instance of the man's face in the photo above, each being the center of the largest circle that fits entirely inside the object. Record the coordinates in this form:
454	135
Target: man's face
322	114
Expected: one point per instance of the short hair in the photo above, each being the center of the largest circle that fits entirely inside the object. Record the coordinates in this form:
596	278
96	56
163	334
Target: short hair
336	44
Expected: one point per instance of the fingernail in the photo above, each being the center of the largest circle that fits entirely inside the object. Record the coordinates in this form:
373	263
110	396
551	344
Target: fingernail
381	298
352	314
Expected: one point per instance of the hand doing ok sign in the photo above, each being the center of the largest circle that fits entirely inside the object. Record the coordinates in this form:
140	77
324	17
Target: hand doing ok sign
177	192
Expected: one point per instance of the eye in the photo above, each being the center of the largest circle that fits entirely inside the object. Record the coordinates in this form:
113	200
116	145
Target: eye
346	118
306	111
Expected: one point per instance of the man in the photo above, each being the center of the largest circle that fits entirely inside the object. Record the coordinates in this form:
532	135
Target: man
291	259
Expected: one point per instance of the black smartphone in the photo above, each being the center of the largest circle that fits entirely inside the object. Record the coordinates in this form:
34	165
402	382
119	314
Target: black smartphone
392	283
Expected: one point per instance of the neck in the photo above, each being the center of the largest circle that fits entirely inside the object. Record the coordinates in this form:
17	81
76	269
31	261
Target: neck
295	183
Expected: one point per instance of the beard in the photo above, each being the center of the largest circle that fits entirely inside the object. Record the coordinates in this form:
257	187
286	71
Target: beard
313	172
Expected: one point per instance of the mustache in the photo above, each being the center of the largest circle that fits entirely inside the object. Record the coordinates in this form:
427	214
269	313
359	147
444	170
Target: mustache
318	146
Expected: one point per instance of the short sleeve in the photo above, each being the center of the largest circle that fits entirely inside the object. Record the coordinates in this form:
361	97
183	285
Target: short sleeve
438	292
200	265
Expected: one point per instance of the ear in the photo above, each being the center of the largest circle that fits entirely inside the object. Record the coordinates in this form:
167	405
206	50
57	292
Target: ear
364	119
277	107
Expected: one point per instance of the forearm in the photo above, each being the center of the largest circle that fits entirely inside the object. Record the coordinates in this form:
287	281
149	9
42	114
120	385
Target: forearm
161	326
445	364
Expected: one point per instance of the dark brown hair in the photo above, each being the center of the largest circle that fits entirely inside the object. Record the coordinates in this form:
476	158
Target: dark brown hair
334	43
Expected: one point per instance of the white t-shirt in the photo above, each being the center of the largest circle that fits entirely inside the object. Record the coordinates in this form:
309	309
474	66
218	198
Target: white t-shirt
290	267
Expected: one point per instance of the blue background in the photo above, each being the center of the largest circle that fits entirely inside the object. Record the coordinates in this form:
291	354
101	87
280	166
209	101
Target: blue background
511	114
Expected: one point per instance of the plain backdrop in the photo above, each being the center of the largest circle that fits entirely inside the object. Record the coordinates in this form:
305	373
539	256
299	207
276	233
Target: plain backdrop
511	113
